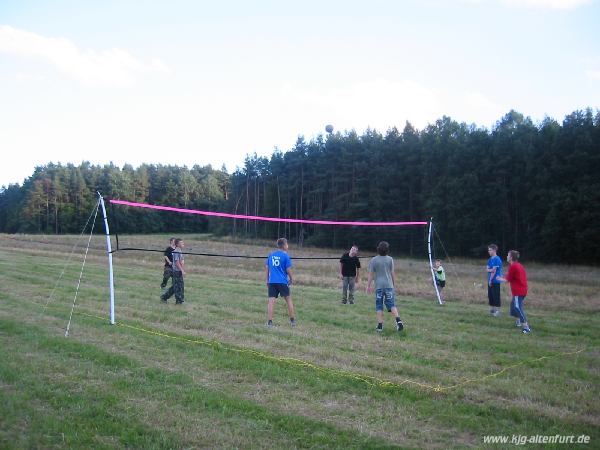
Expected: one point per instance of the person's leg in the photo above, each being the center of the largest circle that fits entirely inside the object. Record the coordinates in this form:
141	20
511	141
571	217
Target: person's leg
351	288
390	304
498	302
344	290
167	295
270	307
167	273
182	290
291	311
496	298
178	287
519	309
379	308
273	290
513	311
491	299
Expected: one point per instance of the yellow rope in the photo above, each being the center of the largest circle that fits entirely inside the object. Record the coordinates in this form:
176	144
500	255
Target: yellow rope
370	380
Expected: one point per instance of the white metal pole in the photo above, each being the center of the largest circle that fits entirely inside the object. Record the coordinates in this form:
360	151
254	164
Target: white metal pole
111	284
437	292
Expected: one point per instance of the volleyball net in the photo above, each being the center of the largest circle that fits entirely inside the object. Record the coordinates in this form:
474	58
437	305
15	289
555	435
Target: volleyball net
355	225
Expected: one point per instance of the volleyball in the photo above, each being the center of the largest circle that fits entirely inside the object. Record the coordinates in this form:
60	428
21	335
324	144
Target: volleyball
329	128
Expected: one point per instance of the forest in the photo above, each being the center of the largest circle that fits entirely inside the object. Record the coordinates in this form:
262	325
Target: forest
529	186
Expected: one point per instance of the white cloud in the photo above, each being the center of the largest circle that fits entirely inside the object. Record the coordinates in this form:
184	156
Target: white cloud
378	104
547	4
29	77
110	67
539	4
593	74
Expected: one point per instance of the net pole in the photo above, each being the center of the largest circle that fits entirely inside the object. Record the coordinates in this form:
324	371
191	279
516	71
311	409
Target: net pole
429	251
111	284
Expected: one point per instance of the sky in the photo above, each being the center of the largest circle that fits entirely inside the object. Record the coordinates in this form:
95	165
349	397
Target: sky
189	82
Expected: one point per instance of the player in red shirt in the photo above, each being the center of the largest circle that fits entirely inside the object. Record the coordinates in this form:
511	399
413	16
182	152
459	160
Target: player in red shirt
517	278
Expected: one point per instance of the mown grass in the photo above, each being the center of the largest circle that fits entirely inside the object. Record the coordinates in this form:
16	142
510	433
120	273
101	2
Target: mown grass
209	375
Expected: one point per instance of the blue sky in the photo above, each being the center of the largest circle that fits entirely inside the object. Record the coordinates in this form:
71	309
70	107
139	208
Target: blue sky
196	82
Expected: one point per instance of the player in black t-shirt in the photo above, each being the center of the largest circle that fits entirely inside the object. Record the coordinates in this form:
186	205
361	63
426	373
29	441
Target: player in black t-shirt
168	269
349	271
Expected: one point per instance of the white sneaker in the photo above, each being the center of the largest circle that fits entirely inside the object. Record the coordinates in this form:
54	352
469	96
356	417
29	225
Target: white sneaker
518	323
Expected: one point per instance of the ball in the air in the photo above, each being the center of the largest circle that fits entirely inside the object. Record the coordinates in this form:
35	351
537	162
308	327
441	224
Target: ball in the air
329	128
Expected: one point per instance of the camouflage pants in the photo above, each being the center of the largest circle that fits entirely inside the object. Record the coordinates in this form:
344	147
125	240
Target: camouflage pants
167	274
176	288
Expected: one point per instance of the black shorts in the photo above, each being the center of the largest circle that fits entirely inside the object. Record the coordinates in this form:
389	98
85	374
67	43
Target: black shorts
440	283
494	295
276	289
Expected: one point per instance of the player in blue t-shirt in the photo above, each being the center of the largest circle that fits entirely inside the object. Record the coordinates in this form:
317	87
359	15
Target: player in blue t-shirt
494	270
278	268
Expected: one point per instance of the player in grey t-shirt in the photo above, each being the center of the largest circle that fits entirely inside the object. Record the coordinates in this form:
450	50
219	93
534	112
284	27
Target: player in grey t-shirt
381	270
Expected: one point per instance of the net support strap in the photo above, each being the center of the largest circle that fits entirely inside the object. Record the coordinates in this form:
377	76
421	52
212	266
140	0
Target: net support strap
265	219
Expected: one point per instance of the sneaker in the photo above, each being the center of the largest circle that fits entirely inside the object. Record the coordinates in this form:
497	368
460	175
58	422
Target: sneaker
526	330
162	299
351	302
269	324
496	313
379	329
179	302
293	322
518	323
399	326
344	302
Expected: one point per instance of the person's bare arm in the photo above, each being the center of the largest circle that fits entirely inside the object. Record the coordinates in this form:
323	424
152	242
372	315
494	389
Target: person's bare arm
179	265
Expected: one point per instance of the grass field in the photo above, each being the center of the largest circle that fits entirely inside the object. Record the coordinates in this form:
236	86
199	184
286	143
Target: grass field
208	374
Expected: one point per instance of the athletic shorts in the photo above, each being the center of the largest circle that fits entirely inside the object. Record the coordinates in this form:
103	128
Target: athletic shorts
441	283
384	296
276	289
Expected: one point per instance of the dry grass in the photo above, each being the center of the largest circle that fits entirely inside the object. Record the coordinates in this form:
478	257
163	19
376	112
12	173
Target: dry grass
551	286
225	312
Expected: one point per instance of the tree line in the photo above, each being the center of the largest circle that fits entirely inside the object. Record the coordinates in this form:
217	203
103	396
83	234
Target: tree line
58	199
530	186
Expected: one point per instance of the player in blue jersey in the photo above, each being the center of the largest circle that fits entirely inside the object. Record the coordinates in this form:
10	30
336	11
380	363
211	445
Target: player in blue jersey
278	269
494	270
